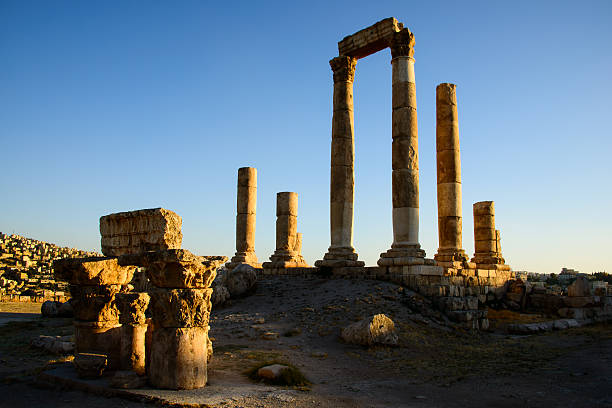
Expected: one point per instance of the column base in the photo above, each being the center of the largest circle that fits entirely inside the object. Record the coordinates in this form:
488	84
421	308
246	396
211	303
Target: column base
404	255
453	258
338	257
285	259
243	258
486	261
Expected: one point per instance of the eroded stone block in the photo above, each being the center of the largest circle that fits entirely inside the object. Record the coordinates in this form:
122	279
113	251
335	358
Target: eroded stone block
173	308
93	271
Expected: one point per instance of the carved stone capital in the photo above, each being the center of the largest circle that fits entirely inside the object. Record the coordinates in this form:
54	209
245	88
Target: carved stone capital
402	44
344	68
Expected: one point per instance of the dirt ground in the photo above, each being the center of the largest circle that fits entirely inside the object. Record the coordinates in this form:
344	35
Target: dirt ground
299	320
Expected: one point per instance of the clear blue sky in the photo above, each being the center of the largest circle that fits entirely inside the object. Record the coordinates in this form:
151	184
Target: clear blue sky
120	105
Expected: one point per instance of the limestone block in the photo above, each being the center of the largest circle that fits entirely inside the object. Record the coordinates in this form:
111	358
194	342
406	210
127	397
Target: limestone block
343	124
95	303
377	329
178	358
484	208
93	271
178	268
180	307
245	232
138	231
343	96
449	199
132	307
342	184
101	338
404	123
342	152
241	280
371	39
246	200
405	188
484	222
449	166
247	176
132	347
485	234
89	365
403	95
404	154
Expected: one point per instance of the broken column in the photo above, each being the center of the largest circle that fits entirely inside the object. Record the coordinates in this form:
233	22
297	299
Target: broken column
450	251
487	248
180	305
342	183
285	255
94	283
245	219
132	307
405	249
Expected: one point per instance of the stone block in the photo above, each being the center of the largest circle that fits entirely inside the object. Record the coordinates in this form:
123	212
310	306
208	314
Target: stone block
580	287
93	271
371	39
178	358
177	268
578	301
139	231
403	95
95	303
100	338
89	365
449	168
404	125
173	308
132	307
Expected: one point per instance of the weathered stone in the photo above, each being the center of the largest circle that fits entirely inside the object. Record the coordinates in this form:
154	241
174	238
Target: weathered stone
173	308
177	268
95	303
133	232
377	329
54	344
93	271
580	287
371	39
50	308
99	338
178	358
241	280
132	307
90	365
220	295
272	372
132	353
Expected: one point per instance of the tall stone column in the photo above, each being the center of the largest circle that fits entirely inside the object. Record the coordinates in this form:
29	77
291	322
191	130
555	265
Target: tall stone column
285	255
245	219
487	250
450	251
405	249
341	252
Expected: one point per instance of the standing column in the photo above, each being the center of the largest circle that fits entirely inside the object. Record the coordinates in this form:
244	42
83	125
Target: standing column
245	219
342	183
487	251
449	178
285	255
405	156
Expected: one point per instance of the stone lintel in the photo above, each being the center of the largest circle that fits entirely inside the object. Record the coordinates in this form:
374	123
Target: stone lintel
370	40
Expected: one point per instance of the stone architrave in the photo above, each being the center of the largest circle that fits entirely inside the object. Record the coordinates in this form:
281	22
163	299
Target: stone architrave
133	232
342	181
405	249
245	219
450	251
487	248
285	255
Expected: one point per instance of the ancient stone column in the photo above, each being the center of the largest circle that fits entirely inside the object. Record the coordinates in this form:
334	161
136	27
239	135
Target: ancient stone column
180	305
341	251
487	250
450	251
94	284
405	156
285	255
132	307
245	219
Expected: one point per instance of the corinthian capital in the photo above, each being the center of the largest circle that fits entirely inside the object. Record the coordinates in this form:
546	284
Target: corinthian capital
402	44
344	68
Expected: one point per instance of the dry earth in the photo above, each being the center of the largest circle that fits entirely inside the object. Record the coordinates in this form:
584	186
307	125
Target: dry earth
432	367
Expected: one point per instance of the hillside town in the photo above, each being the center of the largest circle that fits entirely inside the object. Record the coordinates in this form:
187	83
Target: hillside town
26	268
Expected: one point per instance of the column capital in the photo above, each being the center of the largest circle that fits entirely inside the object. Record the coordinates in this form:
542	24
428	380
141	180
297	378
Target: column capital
344	68
402	44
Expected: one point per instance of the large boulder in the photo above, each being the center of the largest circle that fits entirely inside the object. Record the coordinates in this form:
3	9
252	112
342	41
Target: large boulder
50	308
241	280
377	329
220	295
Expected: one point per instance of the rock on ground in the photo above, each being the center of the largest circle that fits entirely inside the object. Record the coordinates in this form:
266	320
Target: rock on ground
377	329
241	280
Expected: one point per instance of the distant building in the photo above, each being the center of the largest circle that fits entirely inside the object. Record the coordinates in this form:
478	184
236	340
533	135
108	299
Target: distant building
568	274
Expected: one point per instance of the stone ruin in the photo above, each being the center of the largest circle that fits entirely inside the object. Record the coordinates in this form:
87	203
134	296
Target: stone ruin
111	329
172	347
